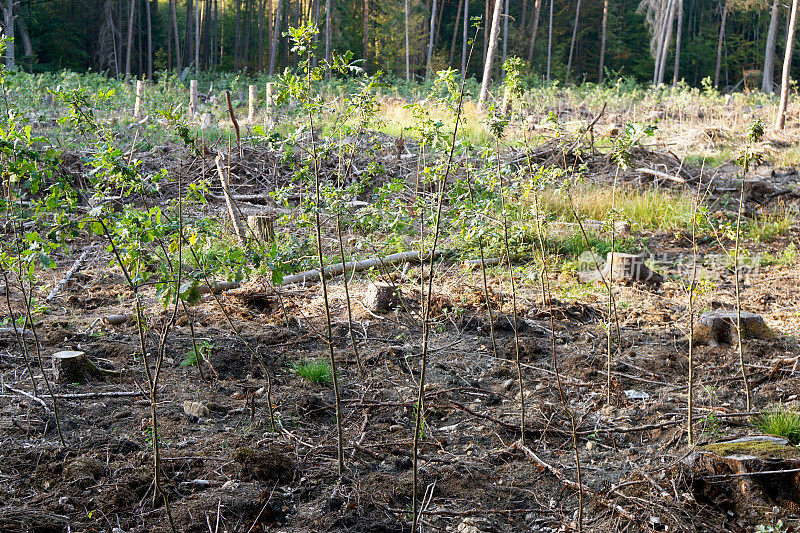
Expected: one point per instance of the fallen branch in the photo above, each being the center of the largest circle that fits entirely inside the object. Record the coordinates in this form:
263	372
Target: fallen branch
662	175
354	266
32	397
232	211
472	264
600	499
61	284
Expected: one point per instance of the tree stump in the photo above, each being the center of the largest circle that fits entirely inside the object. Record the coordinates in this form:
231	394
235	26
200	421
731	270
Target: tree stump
719	327
137	107
261	226
380	298
193	97
74	367
753	472
269	105
252	103
622	268
71	367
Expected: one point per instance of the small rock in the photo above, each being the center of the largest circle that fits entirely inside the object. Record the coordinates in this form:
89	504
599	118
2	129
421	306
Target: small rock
508	384
196	409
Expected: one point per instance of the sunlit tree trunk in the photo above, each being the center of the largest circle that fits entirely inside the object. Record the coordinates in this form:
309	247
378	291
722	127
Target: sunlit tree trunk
197	37
490	53
720	41
129	45
236	31
768	72
366	33
408	60
678	38
429	57
603	27
574	34
464	65
780	120
275	35
536	10
505	39
667	39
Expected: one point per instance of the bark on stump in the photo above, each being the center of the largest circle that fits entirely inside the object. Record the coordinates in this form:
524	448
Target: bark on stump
745	474
719	327
261	226
71	367
623	268
380	297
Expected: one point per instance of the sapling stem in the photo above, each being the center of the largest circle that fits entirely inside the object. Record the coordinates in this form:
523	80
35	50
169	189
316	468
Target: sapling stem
513	294
426	308
739	345
483	271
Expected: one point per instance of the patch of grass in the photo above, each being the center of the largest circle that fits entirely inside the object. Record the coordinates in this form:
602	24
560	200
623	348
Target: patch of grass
316	371
769	226
651	208
781	422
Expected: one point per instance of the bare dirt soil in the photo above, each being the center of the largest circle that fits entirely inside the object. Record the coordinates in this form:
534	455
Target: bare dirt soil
231	470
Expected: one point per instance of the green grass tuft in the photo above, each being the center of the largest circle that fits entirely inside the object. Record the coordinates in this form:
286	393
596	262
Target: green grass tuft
316	371
781	422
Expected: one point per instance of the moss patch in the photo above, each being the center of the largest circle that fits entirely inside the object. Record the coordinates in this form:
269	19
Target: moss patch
762	449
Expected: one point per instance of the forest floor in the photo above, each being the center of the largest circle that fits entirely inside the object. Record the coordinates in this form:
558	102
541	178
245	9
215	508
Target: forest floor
230	469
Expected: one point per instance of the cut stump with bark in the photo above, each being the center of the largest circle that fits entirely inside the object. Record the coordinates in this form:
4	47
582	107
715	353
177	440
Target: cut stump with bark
261	226
74	367
746	474
623	268
380	298
719	327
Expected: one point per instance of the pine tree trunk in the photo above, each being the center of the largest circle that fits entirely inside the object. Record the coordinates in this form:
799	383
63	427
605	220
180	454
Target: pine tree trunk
188	49
537	7
667	38
490	53
505	40
678	38
169	35
603	28
455	34
550	41
275	35
780	120
572	42
248	27
720	41
438	25
316	25
328	8
365	43
24	37
149	40
524	16
661	28
129	45
464	65
237	30
768	73
408	60
175	36
8	31
429	57
261	35
197	37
